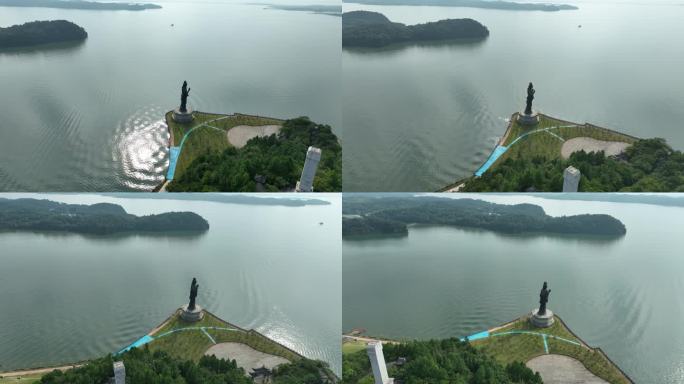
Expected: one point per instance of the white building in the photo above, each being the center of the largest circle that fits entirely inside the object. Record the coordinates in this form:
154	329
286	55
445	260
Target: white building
571	179
119	373
305	183
377	360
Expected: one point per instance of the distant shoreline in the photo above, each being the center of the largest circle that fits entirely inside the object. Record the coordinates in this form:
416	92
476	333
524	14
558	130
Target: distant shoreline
481	4
79	5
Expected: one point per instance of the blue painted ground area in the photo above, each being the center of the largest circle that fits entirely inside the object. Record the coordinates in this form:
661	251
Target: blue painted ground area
174	152
498	151
477	336
141	341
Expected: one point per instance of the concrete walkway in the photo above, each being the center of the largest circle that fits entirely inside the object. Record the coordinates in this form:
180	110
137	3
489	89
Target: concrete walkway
149	338
175	152
559	369
501	149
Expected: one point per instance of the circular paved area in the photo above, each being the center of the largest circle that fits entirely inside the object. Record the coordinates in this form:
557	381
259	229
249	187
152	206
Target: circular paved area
611	148
240	135
245	356
559	369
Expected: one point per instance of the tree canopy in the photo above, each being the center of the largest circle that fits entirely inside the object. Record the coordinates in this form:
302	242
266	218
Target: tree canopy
40	32
438	361
103	218
649	165
145	367
278	158
390	215
372	29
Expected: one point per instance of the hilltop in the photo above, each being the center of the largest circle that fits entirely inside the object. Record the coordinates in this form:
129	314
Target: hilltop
372	29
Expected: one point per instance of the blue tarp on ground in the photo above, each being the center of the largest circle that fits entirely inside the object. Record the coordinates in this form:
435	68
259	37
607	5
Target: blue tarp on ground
478	336
141	341
498	151
174	152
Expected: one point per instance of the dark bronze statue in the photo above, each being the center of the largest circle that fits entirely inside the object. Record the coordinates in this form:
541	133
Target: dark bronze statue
543	299
185	92
530	97
193	294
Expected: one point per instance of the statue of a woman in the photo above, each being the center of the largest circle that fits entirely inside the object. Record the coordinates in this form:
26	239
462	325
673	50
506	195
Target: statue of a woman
193	294
543	299
530	97
185	92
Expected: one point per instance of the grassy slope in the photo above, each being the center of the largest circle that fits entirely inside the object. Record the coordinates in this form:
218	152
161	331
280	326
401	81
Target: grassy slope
546	145
353	346
511	348
208	139
192	344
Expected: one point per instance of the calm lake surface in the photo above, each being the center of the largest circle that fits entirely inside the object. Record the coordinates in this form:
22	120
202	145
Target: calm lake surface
623	296
420	117
89	117
275	269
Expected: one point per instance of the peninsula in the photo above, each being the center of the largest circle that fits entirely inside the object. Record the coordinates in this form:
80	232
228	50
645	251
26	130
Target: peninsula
533	159
78	4
485	4
41	32
514	352
246	153
191	346
372	29
391	215
96	219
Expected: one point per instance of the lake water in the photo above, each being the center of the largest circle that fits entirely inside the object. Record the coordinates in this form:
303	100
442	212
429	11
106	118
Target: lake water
420	117
90	117
275	269
623	296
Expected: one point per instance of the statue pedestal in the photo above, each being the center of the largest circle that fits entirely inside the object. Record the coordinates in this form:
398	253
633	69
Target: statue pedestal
532	119
191	316
182	117
542	321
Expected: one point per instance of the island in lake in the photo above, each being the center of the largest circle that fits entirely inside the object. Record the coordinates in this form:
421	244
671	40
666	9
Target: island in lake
485	4
97	219
78	4
378	215
41	32
373	29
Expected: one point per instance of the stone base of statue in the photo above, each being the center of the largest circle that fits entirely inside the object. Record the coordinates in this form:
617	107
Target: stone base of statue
182	117
532	119
542	321
191	316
